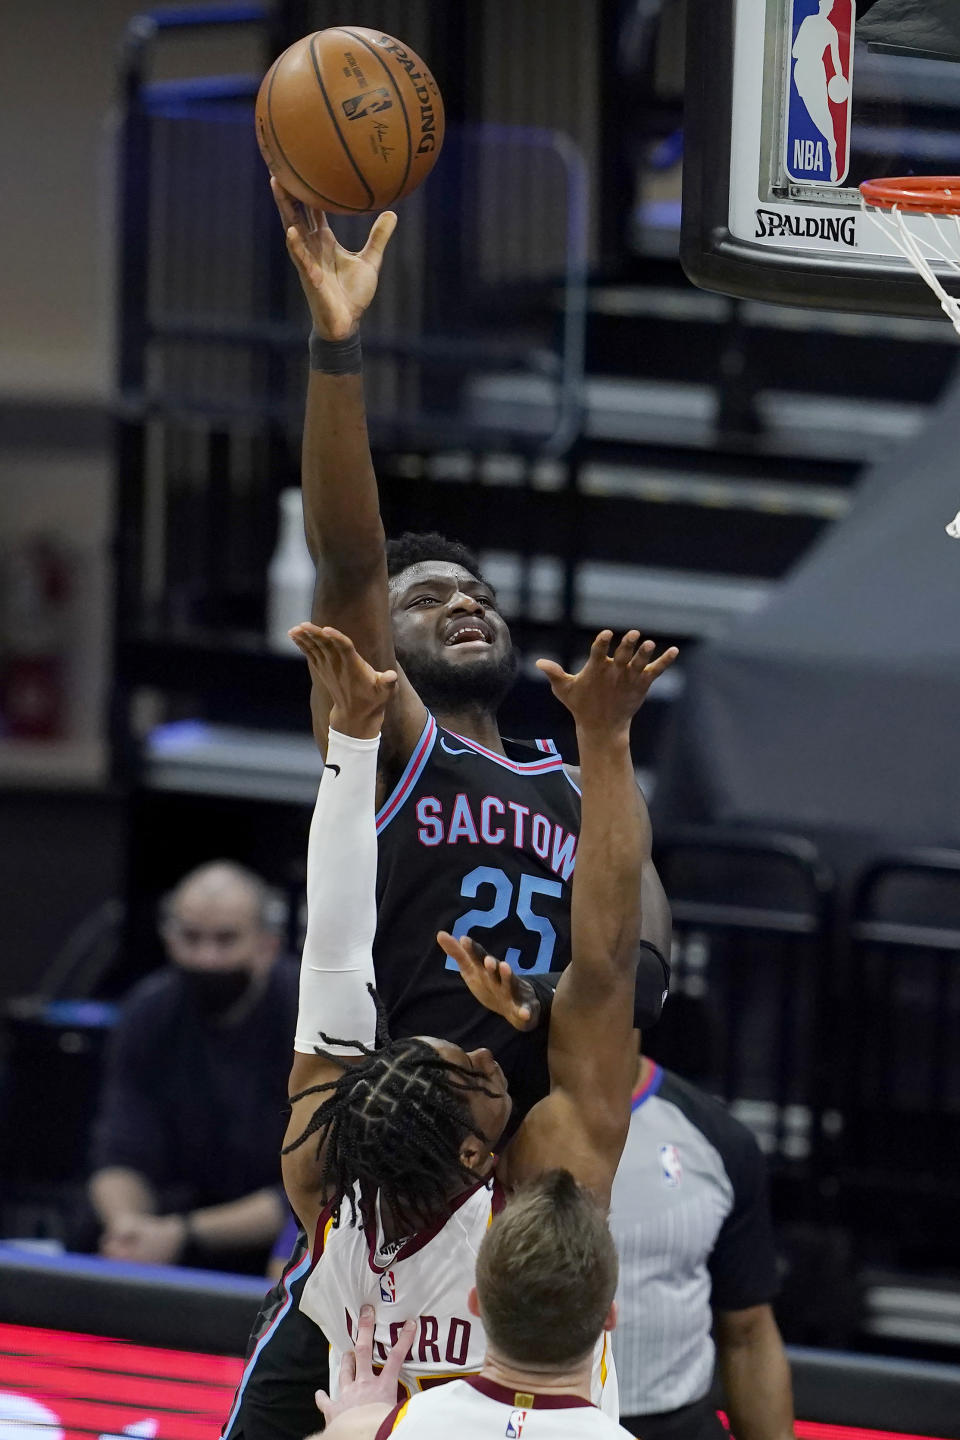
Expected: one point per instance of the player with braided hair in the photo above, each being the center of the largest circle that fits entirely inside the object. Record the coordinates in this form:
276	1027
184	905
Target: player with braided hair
406	1131
398	1119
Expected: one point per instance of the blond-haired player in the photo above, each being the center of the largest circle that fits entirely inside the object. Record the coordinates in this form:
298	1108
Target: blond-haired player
546	1277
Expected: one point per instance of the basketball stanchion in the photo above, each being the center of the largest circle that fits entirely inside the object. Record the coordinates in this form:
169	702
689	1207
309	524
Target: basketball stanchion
932	204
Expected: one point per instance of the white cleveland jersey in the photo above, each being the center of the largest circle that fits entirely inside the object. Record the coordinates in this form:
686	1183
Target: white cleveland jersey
480	1409
426	1278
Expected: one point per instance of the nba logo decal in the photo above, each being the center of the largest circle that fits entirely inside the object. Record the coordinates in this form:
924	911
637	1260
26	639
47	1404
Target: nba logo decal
388	1288
369	103
515	1424
819	91
670	1165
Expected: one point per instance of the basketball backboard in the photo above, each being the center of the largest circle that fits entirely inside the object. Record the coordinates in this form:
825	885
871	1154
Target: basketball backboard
789	105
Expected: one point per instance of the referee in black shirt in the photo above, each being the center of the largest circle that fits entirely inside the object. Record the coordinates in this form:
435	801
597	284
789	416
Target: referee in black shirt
691	1221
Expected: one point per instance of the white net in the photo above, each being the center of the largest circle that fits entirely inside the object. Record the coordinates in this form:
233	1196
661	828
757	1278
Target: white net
926	240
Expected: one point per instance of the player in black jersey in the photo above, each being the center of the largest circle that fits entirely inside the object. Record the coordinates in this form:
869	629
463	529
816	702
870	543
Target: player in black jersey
476	834
421	606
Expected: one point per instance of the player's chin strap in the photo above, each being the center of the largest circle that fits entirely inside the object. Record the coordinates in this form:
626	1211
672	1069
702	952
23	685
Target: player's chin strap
337	964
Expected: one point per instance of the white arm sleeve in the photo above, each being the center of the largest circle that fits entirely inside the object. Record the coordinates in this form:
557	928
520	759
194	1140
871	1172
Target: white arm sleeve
337	963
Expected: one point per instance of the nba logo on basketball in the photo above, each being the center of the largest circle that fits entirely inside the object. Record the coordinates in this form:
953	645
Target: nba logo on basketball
515	1424
820	91
388	1288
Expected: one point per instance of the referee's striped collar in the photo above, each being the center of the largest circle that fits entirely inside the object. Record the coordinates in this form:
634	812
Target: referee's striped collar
647	1087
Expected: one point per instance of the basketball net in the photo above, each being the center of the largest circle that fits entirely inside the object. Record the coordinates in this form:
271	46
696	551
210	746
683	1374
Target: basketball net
920	248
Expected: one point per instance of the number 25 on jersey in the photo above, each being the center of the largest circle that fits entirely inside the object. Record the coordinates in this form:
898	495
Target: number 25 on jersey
491	884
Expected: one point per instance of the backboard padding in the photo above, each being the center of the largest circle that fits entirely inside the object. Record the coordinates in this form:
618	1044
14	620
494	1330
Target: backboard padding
926	28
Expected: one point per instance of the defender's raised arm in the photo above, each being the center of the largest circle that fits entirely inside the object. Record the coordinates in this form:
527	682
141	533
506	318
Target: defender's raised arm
592	1054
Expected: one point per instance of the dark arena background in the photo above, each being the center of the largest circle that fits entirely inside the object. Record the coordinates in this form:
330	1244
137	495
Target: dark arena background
753	470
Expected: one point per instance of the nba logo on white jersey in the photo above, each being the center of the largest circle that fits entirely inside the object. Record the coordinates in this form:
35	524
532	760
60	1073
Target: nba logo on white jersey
388	1287
819	91
670	1165
515	1424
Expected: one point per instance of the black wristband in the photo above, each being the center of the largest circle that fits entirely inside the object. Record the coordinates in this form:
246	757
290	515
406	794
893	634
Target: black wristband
543	987
336	357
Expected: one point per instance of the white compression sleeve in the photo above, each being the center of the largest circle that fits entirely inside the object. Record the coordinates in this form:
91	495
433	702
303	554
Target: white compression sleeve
337	963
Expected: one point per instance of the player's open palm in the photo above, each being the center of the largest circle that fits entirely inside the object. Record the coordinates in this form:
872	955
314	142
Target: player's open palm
338	283
359	694
609	690
493	982
360	1382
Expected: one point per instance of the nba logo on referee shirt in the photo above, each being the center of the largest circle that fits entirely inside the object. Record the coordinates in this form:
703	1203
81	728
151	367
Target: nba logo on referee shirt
671	1167
388	1287
819	91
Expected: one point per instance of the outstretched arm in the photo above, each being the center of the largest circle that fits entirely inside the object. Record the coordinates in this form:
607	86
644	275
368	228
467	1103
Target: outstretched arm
654	943
340	500
592	1054
337	965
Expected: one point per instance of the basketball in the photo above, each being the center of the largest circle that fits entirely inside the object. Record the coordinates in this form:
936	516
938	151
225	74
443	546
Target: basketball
838	89
349	120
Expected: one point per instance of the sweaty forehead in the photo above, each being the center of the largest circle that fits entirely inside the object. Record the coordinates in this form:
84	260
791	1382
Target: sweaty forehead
426	571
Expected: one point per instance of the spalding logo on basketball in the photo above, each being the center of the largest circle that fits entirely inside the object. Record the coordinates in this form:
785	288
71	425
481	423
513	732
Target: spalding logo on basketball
349	120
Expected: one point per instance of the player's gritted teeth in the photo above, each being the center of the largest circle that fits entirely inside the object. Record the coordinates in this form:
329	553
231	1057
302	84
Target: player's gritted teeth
463	632
452	644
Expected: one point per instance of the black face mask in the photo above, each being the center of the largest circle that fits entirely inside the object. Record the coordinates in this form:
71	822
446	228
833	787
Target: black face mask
214	992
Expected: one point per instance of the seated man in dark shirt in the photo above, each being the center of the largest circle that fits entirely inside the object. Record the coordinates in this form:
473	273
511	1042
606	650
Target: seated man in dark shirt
192	1112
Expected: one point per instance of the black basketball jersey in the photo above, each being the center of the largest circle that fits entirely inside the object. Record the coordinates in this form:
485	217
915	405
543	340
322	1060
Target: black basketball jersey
481	844
469	842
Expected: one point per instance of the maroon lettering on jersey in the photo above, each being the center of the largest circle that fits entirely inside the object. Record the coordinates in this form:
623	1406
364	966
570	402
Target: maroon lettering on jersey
429	1332
457	1346
458	1341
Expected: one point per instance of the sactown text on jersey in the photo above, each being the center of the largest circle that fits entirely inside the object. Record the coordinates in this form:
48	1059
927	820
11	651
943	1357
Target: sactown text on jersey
497	822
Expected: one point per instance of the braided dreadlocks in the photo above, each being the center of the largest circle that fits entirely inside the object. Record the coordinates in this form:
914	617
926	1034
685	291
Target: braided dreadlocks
394	1124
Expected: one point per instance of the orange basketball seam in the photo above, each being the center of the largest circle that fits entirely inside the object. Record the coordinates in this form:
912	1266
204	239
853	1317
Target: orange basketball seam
371	198
328	199
403	109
